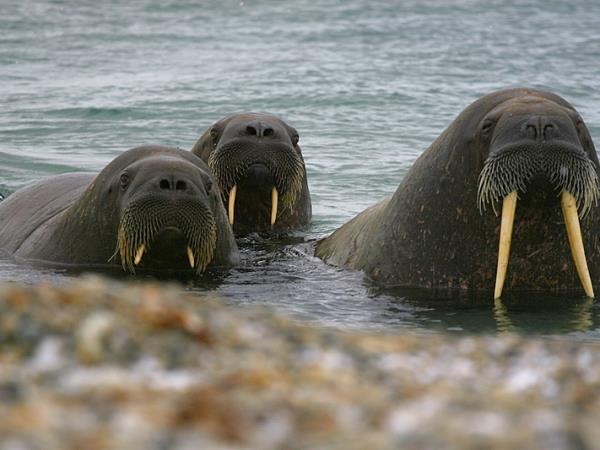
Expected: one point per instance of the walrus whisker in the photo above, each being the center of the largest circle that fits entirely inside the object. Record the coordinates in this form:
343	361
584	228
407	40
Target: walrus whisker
202	246
576	175
114	255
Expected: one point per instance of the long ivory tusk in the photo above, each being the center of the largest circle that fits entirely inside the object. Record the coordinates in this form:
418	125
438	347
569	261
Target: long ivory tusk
232	194
509	206
274	205
190	255
569	209
139	254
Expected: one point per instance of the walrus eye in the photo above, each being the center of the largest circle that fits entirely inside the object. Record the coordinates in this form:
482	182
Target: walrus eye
208	186
214	133
487	126
581	132
295	139
124	180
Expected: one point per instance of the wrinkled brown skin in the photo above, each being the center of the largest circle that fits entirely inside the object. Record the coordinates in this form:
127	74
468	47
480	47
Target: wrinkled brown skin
253	208
430	233
72	219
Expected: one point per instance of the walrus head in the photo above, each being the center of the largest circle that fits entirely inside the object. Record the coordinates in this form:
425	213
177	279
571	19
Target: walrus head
516	146
168	213
536	153
259	168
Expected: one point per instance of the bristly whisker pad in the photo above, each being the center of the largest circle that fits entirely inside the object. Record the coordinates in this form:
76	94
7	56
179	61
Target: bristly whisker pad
505	172
231	161
513	168
575	173
146	217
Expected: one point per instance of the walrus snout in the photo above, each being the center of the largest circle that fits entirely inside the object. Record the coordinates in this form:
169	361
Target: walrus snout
172	184
185	226
259	129
175	182
542	128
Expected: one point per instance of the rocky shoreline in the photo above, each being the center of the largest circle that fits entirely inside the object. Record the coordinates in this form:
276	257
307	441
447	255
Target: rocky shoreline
98	364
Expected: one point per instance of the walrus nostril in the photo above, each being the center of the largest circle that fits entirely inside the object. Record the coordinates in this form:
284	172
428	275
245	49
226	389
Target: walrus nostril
531	131
257	129
180	185
548	131
164	184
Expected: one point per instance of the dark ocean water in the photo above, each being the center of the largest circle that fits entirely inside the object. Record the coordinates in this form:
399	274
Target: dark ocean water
369	85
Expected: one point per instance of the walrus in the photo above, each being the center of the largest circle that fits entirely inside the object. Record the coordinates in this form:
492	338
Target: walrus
513	147
258	165
152	207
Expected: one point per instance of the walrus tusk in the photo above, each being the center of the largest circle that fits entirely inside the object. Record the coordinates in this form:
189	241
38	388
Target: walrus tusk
232	194
509	206
190	255
569	209
139	254
274	201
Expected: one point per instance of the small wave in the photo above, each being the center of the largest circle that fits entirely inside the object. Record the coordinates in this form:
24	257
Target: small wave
97	112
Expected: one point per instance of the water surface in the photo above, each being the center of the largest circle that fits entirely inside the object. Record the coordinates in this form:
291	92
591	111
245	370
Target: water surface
369	85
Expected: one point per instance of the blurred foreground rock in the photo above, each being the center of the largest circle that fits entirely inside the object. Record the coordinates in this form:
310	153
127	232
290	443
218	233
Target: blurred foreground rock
103	365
